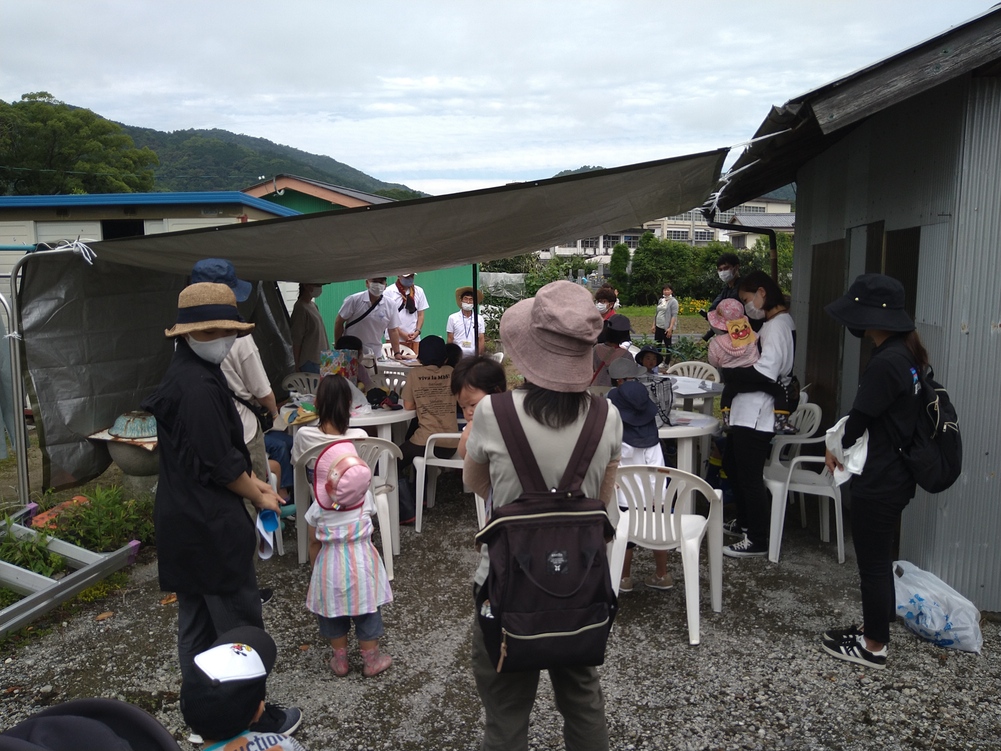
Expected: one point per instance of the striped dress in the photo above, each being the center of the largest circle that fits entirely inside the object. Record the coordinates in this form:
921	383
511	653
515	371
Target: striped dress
349	577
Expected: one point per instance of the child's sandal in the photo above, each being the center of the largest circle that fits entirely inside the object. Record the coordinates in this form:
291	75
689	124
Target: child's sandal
339	663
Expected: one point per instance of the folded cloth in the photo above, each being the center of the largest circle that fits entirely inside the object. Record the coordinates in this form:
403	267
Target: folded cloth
267	523
852	459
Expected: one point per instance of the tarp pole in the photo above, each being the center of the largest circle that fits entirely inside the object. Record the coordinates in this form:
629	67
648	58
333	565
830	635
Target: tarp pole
476	311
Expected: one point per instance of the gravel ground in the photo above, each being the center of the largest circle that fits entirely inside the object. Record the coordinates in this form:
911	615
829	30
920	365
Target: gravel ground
758	680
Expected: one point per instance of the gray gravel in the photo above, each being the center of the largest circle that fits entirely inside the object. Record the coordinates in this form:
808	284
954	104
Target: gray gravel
757	681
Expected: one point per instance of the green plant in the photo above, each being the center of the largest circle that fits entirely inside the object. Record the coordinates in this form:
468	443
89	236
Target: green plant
687	349
108	521
30	552
105	587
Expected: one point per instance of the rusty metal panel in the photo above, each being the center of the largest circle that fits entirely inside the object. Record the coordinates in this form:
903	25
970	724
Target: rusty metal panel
954	533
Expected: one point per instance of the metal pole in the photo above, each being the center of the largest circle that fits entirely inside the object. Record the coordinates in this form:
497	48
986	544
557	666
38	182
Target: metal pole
476	311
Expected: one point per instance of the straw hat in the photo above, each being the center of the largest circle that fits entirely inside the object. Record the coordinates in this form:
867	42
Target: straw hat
550	336
874	301
460	291
205	306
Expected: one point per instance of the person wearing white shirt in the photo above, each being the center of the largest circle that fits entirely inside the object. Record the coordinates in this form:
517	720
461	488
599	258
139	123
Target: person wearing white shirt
461	328
410	303
367	315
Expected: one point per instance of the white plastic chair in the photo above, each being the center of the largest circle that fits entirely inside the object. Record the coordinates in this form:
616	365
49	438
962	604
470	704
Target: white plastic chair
392	381
387	352
616	548
695	369
660	518
784	478
304	383
806	417
428	468
498	356
381	456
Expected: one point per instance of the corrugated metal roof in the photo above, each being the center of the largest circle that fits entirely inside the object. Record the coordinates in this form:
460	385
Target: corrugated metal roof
146	199
803	127
771	221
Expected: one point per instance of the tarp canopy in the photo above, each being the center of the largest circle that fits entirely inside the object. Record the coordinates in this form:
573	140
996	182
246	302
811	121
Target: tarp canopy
94	342
435	233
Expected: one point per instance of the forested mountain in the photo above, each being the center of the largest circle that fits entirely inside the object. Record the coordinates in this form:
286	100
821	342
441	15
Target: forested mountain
220	160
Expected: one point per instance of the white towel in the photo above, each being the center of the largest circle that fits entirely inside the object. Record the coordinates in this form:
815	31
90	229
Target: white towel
851	458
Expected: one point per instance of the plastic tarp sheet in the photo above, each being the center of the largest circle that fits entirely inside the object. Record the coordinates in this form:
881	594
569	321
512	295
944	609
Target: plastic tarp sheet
94	347
499	284
435	233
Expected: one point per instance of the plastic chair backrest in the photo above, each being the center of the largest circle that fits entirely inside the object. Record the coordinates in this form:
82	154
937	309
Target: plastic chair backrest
304	383
695	369
387	351
392	381
652	497
806	417
498	356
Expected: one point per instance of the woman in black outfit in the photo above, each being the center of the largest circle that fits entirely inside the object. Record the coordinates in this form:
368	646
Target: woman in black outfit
886	405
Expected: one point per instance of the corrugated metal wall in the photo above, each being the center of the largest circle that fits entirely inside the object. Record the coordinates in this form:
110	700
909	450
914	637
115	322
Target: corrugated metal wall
958	534
932	162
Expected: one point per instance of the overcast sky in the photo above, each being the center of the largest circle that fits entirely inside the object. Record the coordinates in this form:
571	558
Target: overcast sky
452	95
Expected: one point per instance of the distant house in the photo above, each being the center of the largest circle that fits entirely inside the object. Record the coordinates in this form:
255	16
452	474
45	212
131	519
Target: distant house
29	220
743	236
898	168
308	196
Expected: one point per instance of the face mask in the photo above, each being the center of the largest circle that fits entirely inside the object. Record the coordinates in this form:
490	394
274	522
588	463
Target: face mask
467	306
602	307
376	288
753	311
213	351
406	281
857	333
726	275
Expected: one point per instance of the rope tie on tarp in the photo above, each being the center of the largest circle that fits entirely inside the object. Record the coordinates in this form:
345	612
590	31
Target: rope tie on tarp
710	207
77	246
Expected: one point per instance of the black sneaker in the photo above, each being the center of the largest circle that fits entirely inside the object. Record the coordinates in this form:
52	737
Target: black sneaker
745	549
278	719
851	648
266	595
733	528
837	634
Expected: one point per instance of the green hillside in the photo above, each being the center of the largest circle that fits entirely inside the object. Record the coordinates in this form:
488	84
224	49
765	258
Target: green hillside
192	160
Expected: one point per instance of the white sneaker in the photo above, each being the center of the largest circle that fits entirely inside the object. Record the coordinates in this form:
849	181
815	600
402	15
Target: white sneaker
195	740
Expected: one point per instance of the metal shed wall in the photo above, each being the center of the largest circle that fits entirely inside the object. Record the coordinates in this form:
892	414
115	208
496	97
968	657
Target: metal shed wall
933	161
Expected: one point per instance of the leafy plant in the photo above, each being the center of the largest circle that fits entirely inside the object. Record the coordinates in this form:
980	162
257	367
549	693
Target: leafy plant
108	521
30	552
688	348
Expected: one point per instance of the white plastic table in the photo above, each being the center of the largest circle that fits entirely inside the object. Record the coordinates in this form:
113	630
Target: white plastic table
686	428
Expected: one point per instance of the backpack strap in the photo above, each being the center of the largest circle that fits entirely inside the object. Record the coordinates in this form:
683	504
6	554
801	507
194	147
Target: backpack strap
516	441
523	457
587	444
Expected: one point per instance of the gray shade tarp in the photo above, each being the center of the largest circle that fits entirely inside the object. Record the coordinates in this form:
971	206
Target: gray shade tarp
434	233
94	348
93	335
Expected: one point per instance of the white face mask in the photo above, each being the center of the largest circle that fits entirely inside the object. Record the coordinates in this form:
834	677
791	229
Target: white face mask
213	351
726	275
602	307
753	311
467	306
376	288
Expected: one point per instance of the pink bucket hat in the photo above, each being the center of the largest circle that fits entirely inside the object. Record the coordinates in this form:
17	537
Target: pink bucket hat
729	309
341	477
550	337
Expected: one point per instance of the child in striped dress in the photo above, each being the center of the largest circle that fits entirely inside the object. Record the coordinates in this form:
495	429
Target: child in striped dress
349	581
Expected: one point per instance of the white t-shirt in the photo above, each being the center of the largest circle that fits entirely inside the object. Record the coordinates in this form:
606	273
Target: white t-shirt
408	321
246	377
371	328
461	329
755	409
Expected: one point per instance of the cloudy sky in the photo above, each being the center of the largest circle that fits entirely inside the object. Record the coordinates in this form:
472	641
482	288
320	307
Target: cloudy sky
452	95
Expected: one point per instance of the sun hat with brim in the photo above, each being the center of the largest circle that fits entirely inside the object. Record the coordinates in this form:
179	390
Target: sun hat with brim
652	350
460	291
634	403
625	367
206	306
221	693
550	337
341	478
874	301
729	309
221	271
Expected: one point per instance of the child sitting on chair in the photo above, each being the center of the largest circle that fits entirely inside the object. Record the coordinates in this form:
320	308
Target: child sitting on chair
349	581
734	351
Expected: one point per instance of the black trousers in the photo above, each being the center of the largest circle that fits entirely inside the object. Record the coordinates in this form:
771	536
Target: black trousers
744	461
874	527
663	340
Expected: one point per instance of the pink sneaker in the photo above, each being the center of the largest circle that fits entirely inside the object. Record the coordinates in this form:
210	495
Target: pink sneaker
375	662
339	663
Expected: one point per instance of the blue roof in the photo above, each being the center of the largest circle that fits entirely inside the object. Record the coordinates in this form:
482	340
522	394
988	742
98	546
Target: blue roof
147	199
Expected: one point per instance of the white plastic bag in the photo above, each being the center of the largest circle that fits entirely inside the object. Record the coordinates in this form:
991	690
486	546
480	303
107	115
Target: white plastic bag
935	611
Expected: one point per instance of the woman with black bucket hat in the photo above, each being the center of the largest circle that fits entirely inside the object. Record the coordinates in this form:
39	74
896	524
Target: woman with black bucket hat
886	405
